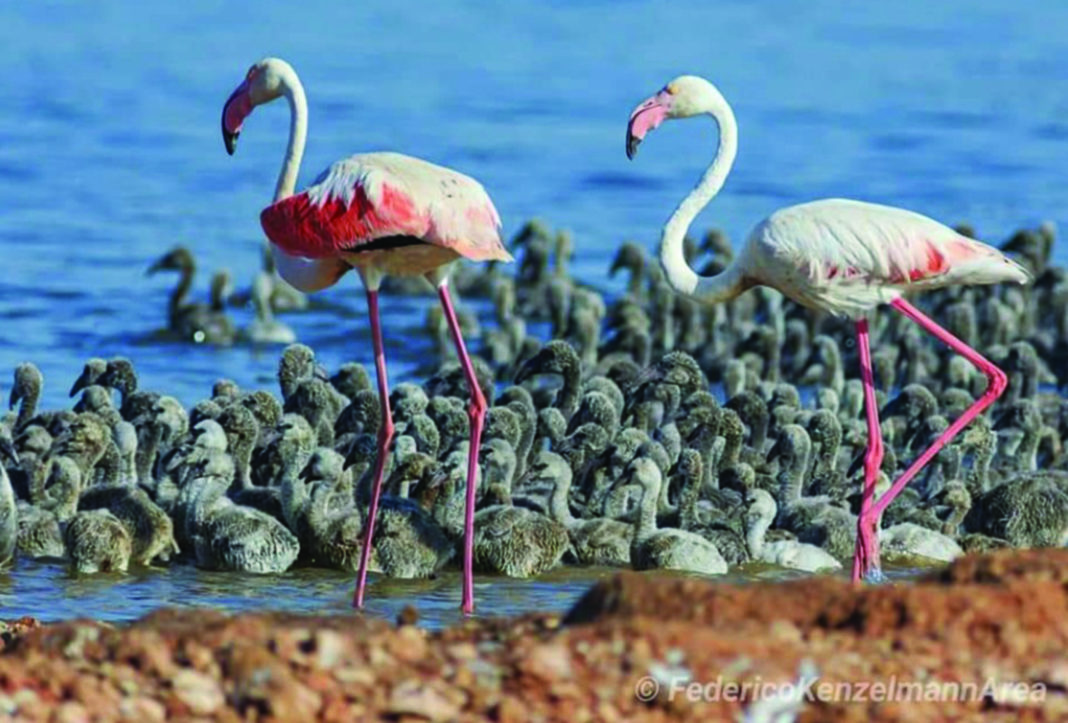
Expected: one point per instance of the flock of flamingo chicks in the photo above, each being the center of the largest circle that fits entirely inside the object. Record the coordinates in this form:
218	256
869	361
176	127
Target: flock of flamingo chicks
650	432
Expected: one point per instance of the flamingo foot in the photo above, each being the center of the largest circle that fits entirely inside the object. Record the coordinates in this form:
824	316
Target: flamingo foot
875	576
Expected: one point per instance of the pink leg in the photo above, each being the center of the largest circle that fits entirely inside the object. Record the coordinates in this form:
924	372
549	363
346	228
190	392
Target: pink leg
994	389
873	458
385	436
477	412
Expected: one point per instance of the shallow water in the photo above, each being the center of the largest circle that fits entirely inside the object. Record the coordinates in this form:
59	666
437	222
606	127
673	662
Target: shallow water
110	154
46	591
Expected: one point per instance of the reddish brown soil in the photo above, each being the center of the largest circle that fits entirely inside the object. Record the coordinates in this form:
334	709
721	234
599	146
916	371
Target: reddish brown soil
999	618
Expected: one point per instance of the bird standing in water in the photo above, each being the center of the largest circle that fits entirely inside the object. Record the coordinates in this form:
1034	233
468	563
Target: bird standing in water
839	256
382	214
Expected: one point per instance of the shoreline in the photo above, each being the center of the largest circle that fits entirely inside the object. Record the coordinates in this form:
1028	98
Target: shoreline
984	635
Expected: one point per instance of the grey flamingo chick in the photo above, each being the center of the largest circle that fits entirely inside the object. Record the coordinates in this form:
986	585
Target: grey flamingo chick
813	519
227	536
909	540
92	371
407	543
669	549
789	554
194	322
97	541
509	540
150	528
599	541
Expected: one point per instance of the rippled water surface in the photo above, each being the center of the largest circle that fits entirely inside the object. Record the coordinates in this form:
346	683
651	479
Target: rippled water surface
110	154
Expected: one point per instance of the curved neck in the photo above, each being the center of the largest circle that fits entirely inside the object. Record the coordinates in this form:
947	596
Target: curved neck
757	525
28	408
294	498
792	478
680	274
146	456
558	503
298	133
185	282
647	510
1027	452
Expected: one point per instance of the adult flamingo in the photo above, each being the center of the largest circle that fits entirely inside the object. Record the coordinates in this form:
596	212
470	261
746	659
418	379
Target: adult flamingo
843	257
380	213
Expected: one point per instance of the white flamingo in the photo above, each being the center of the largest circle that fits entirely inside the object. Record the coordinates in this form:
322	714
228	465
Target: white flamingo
839	256
380	213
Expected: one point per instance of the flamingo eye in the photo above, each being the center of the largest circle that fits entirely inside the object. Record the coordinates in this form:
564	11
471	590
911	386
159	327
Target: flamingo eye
669	89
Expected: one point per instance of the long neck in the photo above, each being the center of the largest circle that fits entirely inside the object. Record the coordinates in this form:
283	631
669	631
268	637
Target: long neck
28	407
680	274
1027	453
792	478
294	500
757	525
298	133
558	503
647	511
185	282
146	455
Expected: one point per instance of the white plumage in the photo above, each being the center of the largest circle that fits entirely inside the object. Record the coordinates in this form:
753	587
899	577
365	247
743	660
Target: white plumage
847	256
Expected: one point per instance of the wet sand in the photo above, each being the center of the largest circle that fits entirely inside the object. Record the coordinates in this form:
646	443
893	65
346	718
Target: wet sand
986	637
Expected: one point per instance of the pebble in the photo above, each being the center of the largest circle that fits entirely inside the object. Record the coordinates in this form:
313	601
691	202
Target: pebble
549	662
142	710
413	697
198	691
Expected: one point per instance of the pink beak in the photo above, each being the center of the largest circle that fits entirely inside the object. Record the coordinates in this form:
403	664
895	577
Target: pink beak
645	118
237	108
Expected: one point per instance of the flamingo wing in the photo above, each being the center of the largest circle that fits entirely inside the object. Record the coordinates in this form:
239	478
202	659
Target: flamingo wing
840	253
376	201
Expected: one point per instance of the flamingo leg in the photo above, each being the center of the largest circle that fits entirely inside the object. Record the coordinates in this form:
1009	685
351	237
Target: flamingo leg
995	387
385	436
863	557
477	414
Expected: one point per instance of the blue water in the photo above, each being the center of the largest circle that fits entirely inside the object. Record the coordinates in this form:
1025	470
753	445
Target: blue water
110	150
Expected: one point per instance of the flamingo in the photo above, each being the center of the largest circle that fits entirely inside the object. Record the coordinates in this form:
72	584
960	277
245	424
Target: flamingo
380	213
840	256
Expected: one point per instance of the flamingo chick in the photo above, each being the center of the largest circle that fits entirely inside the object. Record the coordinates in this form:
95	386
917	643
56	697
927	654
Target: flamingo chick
380	213
838	256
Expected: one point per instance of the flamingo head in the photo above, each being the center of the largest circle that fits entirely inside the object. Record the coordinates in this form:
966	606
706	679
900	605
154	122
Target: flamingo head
263	82
683	97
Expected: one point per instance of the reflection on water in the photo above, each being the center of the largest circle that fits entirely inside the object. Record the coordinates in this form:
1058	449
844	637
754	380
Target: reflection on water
48	592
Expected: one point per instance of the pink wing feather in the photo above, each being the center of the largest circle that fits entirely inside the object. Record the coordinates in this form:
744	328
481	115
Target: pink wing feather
375	195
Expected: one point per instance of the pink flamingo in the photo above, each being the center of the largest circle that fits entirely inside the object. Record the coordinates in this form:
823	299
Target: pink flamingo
840	256
380	213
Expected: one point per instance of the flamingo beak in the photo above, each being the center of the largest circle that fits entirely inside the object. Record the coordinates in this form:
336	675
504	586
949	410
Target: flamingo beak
80	383
645	118
236	109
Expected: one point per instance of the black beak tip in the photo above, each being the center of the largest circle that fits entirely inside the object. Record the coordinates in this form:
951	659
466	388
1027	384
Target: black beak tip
230	141
632	146
351	459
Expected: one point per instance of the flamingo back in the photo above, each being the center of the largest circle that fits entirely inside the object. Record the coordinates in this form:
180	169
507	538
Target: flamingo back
373	196
847	257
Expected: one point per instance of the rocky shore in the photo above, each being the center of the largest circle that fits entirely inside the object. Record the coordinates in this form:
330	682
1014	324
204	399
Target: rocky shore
983	638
